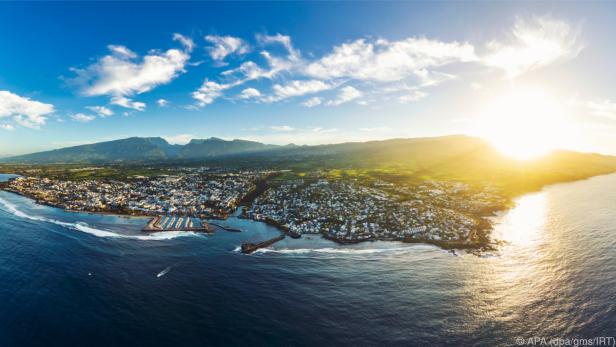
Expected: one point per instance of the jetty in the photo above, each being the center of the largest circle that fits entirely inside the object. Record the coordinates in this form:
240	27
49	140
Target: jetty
227	228
248	247
176	223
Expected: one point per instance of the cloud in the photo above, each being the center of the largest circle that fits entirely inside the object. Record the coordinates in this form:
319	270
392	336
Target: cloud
284	40
180	139
412	96
534	43
208	92
24	111
187	42
100	110
224	46
123	73
299	88
284	128
345	95
250	93
83	118
127	103
8	127
162	102
312	102
386	61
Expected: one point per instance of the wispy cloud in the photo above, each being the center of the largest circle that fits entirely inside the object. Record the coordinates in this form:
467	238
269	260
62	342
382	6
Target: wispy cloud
223	46
249	93
298	88
312	102
123	73
345	95
102	111
127	103
534	43
82	117
284	128
208	92
386	61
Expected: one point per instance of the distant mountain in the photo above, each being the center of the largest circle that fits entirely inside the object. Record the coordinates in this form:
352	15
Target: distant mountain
459	158
215	147
140	149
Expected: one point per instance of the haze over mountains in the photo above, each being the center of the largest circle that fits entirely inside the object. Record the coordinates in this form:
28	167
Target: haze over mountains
460	158
140	149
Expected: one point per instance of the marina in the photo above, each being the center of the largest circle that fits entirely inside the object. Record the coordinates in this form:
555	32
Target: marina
176	223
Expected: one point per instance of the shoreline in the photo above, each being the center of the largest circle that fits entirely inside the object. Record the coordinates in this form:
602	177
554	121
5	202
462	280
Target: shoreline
445	245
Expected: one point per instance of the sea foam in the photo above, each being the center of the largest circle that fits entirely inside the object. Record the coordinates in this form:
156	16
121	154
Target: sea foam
84	227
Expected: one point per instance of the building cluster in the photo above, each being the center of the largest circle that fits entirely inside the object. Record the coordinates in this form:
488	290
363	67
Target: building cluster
196	192
344	209
349	210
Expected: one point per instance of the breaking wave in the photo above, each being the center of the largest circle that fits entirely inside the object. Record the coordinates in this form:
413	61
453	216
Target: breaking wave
84	227
351	253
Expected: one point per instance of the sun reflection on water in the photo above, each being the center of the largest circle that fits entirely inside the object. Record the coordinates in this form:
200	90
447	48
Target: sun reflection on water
524	223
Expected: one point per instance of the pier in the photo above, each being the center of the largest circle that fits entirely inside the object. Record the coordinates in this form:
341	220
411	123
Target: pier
176	223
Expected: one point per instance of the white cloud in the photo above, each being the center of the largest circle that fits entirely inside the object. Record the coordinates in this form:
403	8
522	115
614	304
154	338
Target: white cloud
284	40
8	127
122	51
83	118
284	128
312	102
180	139
100	110
187	42
208	92
345	95
24	111
534	43
123	73
224	46
387	61
162	102
412	96
250	93
299	87
127	103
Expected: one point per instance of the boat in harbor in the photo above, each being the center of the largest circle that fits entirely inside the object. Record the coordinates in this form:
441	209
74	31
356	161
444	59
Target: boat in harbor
176	223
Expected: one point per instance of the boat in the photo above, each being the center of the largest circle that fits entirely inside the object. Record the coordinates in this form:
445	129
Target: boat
248	248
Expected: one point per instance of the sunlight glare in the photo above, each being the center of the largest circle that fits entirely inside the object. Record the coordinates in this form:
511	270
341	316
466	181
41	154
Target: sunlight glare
524	124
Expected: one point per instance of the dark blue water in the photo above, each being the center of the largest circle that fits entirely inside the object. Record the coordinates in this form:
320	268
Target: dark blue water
69	279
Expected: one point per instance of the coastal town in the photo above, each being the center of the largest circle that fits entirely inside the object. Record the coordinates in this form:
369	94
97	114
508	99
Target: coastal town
342	209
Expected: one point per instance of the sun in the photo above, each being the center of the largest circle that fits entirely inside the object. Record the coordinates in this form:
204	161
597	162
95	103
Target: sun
524	124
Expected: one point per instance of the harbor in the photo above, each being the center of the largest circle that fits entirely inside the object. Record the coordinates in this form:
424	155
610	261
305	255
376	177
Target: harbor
176	223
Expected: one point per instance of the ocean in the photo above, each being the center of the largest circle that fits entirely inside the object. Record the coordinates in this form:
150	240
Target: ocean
78	279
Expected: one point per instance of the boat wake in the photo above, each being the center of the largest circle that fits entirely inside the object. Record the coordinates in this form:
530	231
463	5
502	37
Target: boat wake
84	227
164	272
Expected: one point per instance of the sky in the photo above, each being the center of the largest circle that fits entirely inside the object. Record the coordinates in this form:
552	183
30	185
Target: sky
526	74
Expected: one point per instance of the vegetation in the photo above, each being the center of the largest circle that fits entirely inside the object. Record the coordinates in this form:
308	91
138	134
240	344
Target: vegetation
449	158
